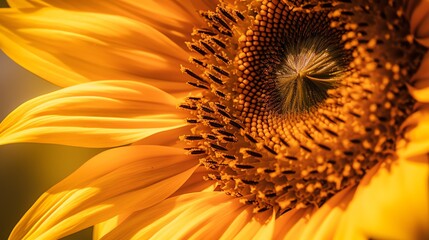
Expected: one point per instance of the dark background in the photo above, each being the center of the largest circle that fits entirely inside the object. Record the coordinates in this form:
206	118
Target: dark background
27	170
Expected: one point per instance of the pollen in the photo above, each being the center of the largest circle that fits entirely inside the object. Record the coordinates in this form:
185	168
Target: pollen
298	99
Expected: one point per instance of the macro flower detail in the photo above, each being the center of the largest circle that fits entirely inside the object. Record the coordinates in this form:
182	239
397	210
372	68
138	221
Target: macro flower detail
316	67
292	119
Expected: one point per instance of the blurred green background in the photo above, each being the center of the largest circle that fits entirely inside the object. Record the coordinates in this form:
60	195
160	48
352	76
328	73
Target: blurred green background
27	170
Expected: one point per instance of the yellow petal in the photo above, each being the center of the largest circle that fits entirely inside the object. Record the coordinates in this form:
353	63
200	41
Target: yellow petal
261	226
420	94
167	138
312	222
97	114
175	19
103	228
170	11
421	78
292	224
195	183
21	3
392	204
420	22
323	223
420	81
416	129
68	47
204	215
118	180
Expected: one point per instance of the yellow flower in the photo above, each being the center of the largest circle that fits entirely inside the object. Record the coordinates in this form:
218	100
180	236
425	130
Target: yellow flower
300	119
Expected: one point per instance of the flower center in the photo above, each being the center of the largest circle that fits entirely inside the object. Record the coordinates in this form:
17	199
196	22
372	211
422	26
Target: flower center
309	69
298	100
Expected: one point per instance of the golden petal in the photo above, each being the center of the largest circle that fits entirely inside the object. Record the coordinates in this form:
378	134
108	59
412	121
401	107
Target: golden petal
261	226
193	216
115	181
291	224
78	47
175	19
323	223
314	223
420	79
168	11
391	204
97	114
166	138
417	130
419	21
103	228
195	183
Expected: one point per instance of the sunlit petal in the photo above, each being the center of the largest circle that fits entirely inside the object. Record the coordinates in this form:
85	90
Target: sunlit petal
68	47
399	212
193	216
323	223
417	126
195	183
419	21
291	224
97	114
115	181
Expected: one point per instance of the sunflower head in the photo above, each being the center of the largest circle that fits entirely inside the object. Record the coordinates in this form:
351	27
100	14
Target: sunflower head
300	98
289	104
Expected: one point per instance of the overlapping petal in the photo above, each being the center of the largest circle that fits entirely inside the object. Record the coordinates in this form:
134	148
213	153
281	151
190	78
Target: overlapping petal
96	114
195	183
420	81
392	204
324	221
419	20
196	215
401	212
416	141
312	222
119	180
69	47
175	19
292	224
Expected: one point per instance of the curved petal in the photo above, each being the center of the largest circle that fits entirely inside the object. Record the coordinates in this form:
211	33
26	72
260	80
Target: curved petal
417	130
194	184
193	216
420	81
421	78
97	114
420	94
419	21
392	204
118	180
314	223
261	226
292	224
323	223
103	228
175	19
169	11
69	47
167	138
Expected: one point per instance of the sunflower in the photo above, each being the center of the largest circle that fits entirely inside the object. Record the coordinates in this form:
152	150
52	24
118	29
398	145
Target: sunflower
266	119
